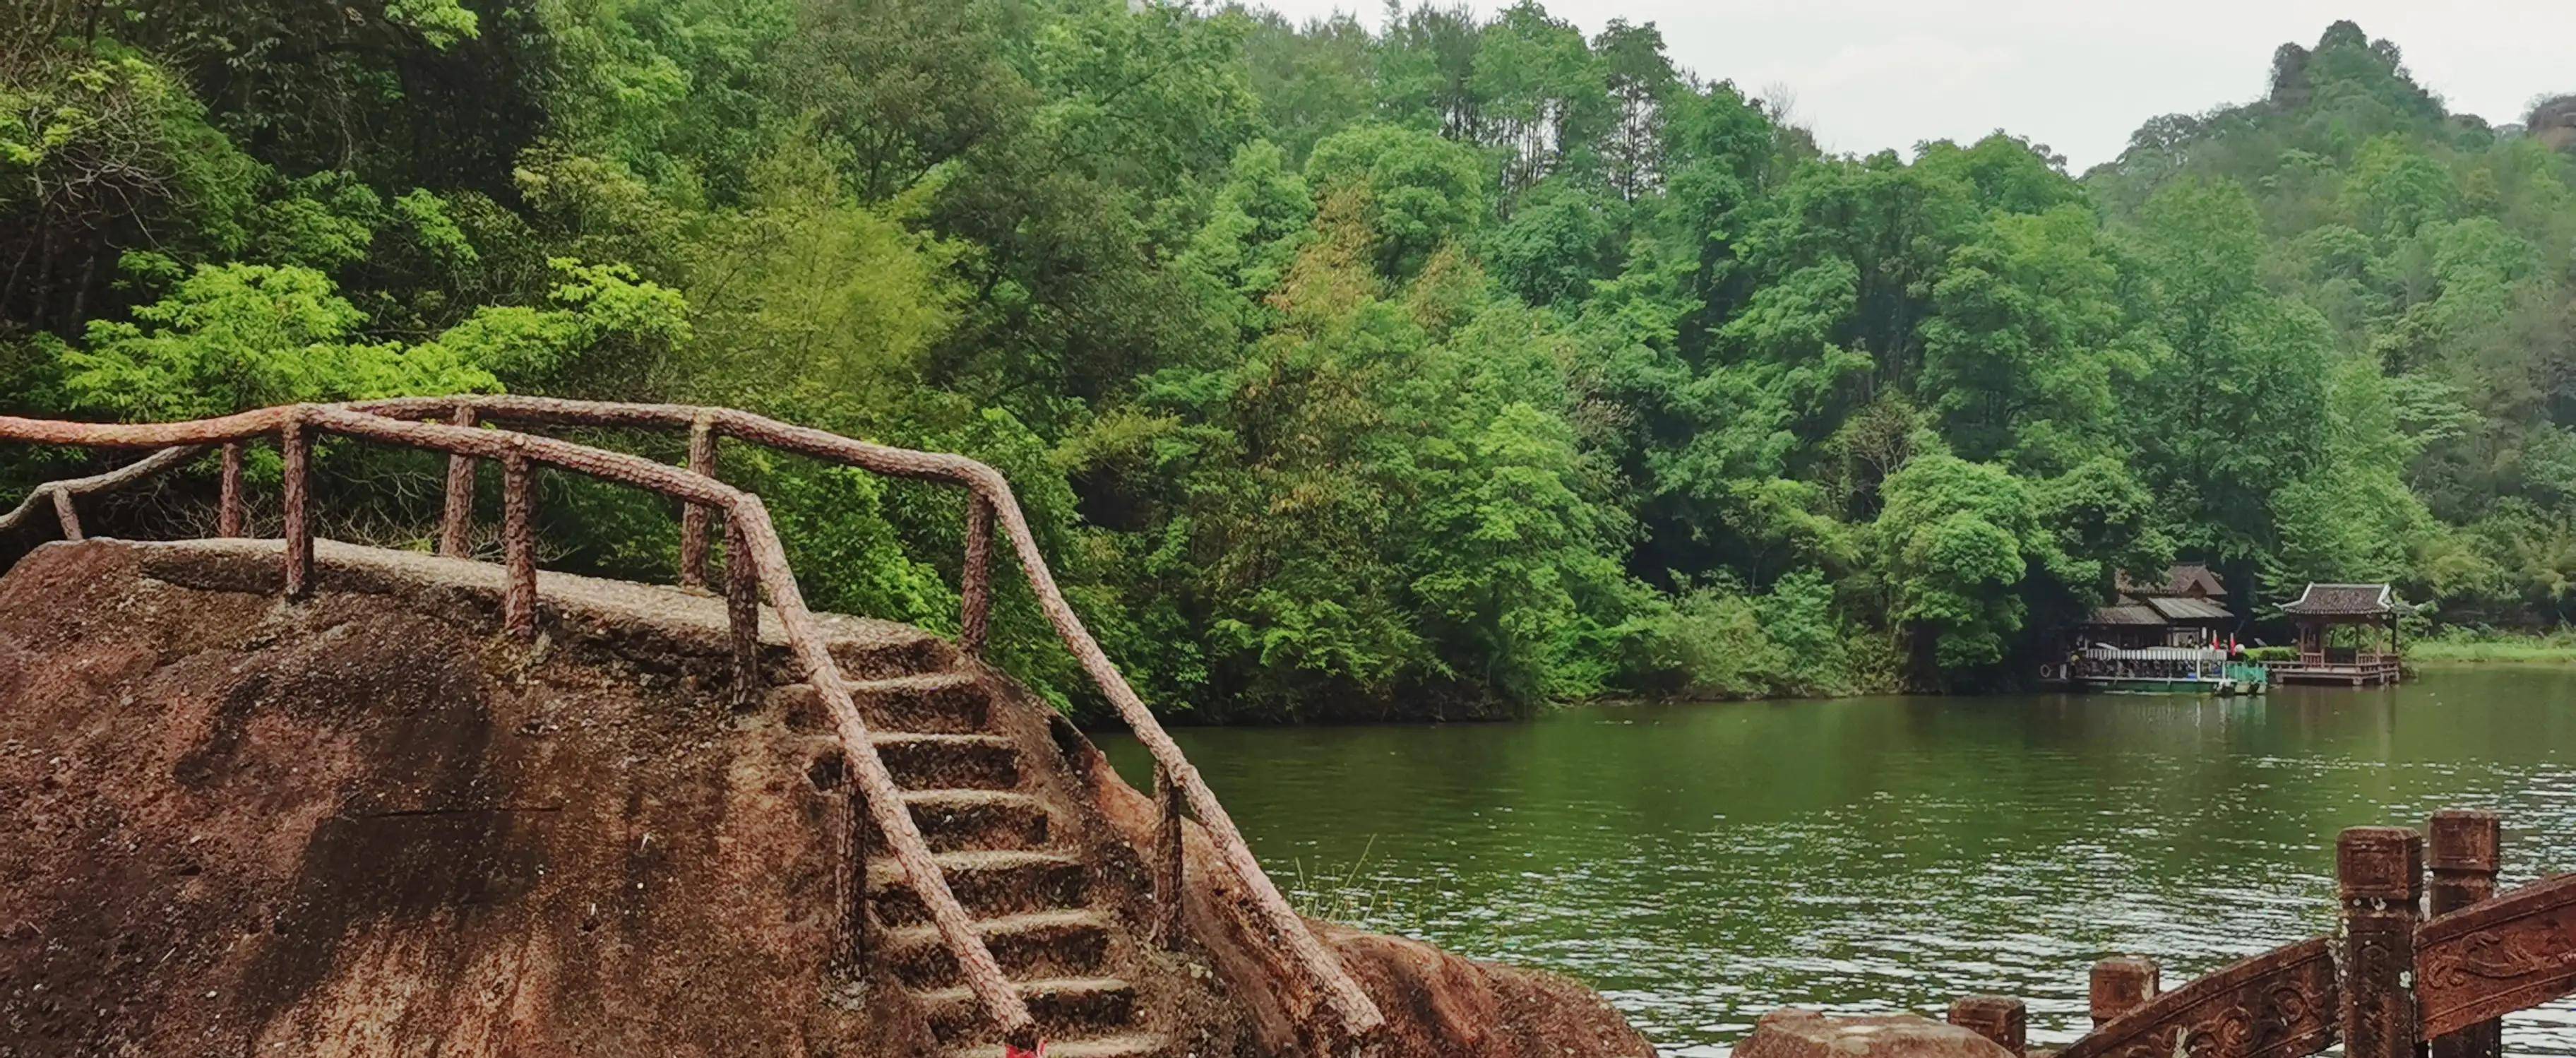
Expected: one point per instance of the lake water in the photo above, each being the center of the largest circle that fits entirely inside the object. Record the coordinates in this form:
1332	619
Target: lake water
1702	864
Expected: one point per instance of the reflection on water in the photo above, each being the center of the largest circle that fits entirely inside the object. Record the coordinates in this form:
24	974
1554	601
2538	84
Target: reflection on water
1701	864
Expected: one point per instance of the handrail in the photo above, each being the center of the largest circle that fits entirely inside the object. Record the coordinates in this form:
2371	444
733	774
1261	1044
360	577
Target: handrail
55	491
1358	1014
993	500
748	526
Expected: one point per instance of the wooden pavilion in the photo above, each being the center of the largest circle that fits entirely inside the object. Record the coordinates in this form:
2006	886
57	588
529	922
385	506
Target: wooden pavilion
2371	610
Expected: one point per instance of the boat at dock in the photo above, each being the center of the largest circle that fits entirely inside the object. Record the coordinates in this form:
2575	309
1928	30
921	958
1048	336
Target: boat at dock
2165	670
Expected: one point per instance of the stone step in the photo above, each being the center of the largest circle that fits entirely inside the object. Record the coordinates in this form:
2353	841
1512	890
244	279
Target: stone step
871	650
932	702
1125	1045
1063	1006
1035	945
988	884
948	761
979	820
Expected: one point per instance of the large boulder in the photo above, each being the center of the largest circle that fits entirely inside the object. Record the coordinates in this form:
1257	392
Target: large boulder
1809	1034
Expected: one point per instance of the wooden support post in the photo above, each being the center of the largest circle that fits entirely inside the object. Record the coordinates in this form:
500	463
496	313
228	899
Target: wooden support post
67	514
297	447
975	585
228	508
742	613
456	523
2379	874
2465	851
519	548
1999	1018
1169	869
694	517
2122	985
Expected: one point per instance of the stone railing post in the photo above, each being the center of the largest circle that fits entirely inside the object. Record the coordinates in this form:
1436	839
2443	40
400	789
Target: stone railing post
742	615
975	584
67	514
296	445
519	548
456	523
2379	875
694	517
860	936
2465	851
1999	1018
1169	860
2122	985
228	508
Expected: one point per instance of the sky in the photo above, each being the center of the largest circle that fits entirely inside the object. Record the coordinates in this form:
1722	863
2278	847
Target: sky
2077	75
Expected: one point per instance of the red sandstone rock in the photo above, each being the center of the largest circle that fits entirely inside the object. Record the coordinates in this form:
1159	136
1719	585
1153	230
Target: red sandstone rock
367	824
1808	1034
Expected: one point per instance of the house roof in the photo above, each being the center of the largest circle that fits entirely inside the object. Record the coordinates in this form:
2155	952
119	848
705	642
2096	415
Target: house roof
2126	615
2345	600
2185	608
2181	578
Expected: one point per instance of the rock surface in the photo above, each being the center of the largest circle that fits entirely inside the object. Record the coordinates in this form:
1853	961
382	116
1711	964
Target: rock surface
366	824
1809	1034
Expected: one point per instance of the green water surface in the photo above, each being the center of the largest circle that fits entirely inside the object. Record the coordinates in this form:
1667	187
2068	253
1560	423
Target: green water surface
1701	864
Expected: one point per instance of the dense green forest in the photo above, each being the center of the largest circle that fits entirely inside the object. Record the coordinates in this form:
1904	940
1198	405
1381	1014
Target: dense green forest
1442	370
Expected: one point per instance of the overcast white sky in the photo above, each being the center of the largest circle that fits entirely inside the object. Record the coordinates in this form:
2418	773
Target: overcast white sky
2079	75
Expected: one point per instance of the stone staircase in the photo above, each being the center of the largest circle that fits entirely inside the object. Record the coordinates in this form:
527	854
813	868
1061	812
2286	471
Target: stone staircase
988	813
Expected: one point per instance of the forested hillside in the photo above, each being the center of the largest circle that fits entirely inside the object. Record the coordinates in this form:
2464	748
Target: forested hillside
1439	371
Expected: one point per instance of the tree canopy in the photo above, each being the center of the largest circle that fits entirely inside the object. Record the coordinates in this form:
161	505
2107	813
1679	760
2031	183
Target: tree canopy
1439	370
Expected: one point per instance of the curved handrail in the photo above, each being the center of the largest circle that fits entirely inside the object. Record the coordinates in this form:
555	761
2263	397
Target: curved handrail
2511	952
1358	1013
54	491
748	523
2280	1004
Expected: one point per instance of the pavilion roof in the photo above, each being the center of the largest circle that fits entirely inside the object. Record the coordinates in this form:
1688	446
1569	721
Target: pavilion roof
2346	600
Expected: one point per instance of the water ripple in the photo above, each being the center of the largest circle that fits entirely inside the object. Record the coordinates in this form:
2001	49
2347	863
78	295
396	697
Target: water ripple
1701	865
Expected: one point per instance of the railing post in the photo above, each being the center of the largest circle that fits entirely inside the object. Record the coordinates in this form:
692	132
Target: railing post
1999	1018
2379	874
975	585
456	523
228	508
2122	985
2465	851
862	845
1168	860
519	548
742	613
297	448
693	517
67	514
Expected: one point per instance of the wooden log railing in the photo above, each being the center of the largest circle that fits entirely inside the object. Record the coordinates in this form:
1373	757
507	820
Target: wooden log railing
1339	1013
2387	984
1346	1013
757	557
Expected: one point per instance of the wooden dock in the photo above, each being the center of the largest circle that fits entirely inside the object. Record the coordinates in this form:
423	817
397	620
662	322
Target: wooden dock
2368	671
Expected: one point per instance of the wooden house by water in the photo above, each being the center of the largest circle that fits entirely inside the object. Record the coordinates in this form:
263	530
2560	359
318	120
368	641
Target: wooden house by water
2162	636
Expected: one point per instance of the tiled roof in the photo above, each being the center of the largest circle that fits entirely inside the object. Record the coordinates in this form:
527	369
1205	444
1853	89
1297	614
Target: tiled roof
2180	608
2182	578
2126	615
2329	600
